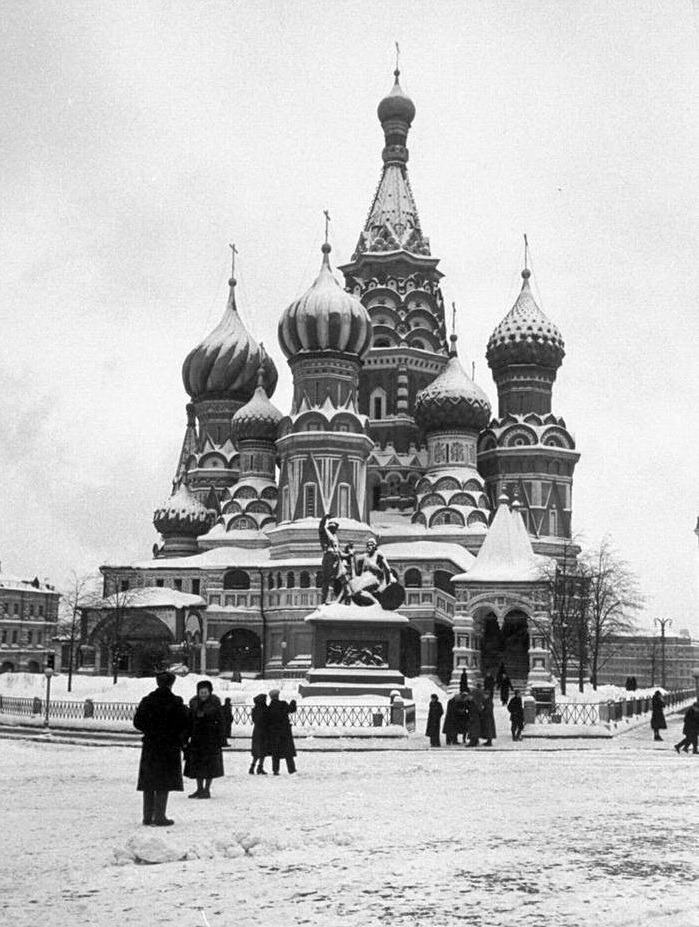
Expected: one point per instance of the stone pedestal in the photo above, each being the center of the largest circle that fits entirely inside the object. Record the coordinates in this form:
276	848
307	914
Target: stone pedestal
356	651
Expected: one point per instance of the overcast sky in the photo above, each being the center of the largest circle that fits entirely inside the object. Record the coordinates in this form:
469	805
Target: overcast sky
139	138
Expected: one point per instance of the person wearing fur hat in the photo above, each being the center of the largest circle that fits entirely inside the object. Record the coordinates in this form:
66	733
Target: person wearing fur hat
260	735
434	713
203	756
162	719
281	740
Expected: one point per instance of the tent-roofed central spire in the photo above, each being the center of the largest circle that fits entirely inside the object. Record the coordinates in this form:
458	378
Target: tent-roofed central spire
393	223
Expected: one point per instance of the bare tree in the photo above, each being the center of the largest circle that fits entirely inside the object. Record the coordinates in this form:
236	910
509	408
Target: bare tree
613	598
81	593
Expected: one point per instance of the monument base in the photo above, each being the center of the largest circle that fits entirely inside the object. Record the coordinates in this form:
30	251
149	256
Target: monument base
356	651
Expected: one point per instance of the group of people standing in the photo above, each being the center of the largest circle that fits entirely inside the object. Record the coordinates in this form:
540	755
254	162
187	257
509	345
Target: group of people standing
690	725
199	731
470	714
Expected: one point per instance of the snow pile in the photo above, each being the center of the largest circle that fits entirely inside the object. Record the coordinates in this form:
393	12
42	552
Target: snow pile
154	848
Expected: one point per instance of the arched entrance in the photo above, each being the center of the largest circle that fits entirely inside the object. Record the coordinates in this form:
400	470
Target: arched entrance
141	643
410	652
445	651
33	667
507	646
241	652
7	667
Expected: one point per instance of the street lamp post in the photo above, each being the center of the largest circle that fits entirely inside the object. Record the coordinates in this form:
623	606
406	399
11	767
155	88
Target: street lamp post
48	672
663	622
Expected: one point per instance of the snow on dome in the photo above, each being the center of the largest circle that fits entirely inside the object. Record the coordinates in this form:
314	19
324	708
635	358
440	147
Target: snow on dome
325	318
182	515
525	335
224	365
452	401
258	418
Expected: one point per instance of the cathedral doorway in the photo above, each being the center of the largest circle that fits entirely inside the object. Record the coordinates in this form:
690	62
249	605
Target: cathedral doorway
7	667
445	652
507	646
410	652
241	652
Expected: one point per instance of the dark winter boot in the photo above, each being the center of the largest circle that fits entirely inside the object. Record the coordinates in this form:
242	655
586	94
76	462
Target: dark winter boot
252	768
159	819
677	747
148	807
261	771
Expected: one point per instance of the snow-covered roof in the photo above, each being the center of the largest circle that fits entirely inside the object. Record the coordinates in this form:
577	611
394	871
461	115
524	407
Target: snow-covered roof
151	597
15	584
224	557
507	555
429	550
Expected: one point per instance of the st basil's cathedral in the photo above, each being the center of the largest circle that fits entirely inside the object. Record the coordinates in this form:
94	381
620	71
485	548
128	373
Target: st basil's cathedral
386	432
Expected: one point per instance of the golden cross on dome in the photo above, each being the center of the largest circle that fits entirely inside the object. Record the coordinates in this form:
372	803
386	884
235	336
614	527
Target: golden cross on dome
526	252
234	251
327	224
397	71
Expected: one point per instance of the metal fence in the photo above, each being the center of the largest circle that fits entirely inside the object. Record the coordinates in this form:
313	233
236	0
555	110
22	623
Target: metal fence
609	712
305	716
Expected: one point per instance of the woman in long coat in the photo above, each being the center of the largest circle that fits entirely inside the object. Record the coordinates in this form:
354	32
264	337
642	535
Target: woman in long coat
475	707
281	740
434	715
260	734
449	726
488	720
162	719
657	718
203	756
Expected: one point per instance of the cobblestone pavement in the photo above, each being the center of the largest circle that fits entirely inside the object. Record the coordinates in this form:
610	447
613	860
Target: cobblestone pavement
603	834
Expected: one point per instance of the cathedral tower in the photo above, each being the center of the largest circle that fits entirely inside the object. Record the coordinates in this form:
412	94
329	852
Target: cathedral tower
527	451
396	278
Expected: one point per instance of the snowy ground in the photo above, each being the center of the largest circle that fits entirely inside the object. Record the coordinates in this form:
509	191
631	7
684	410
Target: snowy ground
532	838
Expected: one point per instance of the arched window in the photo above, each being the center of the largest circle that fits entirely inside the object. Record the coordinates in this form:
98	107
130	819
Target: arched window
382	343
309	500
377	403
305	580
343	500
413	578
319	580
280	584
236	579
270	581
290	580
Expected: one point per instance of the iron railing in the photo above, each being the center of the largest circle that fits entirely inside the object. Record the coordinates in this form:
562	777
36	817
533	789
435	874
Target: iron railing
609	712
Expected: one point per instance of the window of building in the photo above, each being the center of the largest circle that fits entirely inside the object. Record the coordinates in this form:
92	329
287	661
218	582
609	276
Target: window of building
30	637
6	608
178	584
160	583
413	577
14	637
309	500
31	611
4	637
196	586
280	584
41	611
286	508
343	500
290	580
305	580
270	581
236	579
15	608
124	585
40	638
553	522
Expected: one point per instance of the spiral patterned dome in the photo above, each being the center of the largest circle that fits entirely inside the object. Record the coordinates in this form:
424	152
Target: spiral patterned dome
182	515
397	105
258	418
224	365
452	401
525	335
325	318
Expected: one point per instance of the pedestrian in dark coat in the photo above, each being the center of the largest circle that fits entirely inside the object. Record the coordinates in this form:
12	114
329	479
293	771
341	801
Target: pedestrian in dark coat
657	718
207	734
434	715
475	707
690	729
488	720
449	726
281	740
162	719
463	681
516	709
260	734
489	684
227	718
501	672
505	688
461	710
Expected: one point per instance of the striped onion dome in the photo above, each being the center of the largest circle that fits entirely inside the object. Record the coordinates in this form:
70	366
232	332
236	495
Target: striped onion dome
182	515
452	401
257	419
525	335
224	365
325	318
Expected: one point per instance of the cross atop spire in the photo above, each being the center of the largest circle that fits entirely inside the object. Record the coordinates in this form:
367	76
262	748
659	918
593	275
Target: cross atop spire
234	251
327	224
397	70
526	252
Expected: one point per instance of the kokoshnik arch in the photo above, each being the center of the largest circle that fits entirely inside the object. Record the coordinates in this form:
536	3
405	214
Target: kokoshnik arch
387	432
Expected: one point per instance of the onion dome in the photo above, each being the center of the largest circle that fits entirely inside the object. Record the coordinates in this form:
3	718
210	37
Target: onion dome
258	418
525	335
182	515
452	401
325	318
224	365
397	105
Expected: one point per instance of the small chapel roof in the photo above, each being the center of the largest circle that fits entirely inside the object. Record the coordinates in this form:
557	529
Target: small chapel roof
151	597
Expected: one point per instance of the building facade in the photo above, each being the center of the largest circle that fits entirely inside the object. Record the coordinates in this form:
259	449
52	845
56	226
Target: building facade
28	618
386	431
641	655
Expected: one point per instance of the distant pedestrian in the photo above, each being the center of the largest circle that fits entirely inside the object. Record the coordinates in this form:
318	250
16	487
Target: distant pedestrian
463	681
657	718
260	735
434	715
690	729
505	688
461	713
162	719
203	756
281	740
227	718
500	673
489	684
488	720
475	707
516	710
449	726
